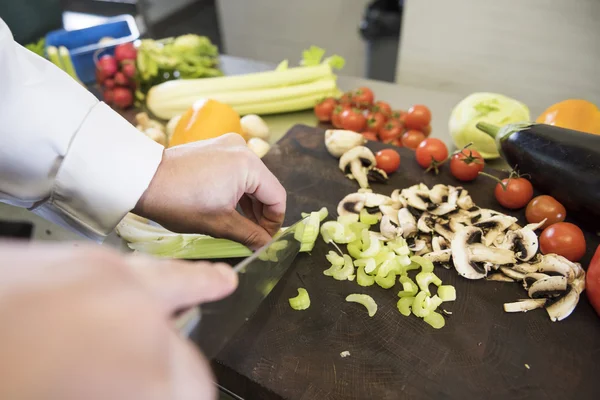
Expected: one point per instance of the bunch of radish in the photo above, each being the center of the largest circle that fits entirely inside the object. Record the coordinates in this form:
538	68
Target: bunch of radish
116	76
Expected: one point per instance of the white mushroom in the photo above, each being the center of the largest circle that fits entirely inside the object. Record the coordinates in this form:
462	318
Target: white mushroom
494	226
461	256
254	126
464	200
389	227
339	141
351	204
439	194
407	222
426	223
549	287
498	277
356	162
524	305
511	273
441	209
416	198
258	146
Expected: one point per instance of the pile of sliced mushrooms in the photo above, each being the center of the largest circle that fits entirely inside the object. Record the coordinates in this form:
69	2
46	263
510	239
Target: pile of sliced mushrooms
443	225
356	160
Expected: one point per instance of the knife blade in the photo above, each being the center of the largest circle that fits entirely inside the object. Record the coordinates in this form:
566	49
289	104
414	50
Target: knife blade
217	322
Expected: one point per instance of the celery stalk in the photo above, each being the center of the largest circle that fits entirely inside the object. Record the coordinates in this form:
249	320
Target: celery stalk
300	302
67	63
53	56
404	305
284	106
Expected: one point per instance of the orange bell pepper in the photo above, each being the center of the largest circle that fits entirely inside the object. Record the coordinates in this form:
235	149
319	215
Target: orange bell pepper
206	119
579	115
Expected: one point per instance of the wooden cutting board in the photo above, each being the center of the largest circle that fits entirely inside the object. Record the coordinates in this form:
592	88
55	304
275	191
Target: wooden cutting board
481	353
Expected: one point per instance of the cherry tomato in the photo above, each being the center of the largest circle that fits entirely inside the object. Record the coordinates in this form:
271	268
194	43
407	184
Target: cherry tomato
337	114
545	207
517	194
375	121
346	98
466	165
369	135
383	108
427	130
592	281
353	120
412	139
324	109
429	150
363	97
396	142
564	239
390	131
388	160
417	117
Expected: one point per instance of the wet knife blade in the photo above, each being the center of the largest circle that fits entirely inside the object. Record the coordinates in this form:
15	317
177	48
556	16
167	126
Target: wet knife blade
218	322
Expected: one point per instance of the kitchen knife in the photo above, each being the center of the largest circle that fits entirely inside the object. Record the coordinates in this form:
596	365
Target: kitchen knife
258	274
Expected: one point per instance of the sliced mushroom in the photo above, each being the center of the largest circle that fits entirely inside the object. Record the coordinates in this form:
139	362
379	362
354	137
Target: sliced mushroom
444	230
391	211
439	194
390	228
481	253
553	286
524	305
564	306
524	242
494	226
356	162
373	200
426	223
530	279
377	175
416	245
351	204
461	256
441	209
438	243
511	273
439	256
407	222
398	200
416	198
553	264
464	200
498	277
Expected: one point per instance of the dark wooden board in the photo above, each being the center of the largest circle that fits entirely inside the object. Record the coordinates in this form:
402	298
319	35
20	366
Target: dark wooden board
481	353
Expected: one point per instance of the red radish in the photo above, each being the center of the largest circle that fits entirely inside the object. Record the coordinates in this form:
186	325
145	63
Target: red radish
123	98
109	83
121	79
109	96
107	67
128	69
125	51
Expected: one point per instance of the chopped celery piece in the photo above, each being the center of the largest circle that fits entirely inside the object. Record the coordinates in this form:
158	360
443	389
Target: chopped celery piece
300	302
405	268
367	263
409	287
399	246
371	245
347	219
387	267
362	278
282	66
386	275
447	293
418	307
307	235
332	270
425	278
196	247
432	303
347	270
426	265
323	213
335	259
435	319
369	219
351	277
358	228
354	249
333	231
365	300
404	305
403	261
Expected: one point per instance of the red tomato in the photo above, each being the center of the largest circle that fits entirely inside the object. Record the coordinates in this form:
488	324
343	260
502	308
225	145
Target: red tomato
375	121
353	120
417	117
412	139
396	142
592	281
388	160
369	135
324	109
337	114
545	207
427	130
564	239
430	151
390	131
517	194
363	97
346	98
466	165
383	108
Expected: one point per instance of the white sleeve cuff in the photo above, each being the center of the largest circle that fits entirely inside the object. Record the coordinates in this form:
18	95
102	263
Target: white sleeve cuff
106	170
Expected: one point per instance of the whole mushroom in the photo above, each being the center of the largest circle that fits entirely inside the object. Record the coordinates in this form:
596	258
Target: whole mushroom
339	141
356	162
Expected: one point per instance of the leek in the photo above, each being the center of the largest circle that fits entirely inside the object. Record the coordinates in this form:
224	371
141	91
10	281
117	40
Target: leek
300	302
365	300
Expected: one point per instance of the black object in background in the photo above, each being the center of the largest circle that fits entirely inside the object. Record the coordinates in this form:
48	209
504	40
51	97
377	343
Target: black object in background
16	230
30	20
380	28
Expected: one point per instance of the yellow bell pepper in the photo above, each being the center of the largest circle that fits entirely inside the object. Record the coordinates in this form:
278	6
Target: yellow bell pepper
579	115
206	119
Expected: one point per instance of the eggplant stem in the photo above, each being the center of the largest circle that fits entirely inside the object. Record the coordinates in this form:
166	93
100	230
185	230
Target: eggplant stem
490	129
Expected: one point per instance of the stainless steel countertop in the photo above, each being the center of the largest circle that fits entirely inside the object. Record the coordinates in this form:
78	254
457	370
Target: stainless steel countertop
399	96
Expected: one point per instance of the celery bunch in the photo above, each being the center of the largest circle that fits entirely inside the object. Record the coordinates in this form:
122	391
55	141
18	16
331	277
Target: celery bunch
281	90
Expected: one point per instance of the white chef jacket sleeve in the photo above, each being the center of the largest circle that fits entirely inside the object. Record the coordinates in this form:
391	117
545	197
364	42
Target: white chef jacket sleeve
63	154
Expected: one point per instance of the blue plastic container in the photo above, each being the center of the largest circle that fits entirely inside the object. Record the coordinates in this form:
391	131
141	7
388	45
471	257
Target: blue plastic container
83	43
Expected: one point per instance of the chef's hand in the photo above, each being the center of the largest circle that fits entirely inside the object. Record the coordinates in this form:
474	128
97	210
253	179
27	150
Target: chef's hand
88	323
197	187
